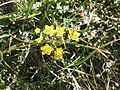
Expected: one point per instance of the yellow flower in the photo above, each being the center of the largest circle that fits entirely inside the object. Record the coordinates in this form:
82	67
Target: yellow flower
47	49
49	30
73	34
59	31
58	54
38	40
37	30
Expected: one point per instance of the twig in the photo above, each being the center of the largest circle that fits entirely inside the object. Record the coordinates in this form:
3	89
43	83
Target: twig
108	82
3	4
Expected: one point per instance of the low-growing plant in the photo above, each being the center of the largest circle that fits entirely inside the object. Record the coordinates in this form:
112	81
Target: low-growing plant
60	45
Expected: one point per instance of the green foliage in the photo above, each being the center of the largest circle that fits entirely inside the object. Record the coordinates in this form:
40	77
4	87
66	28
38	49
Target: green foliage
89	62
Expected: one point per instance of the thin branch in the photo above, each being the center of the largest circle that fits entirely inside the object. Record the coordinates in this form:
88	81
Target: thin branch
5	3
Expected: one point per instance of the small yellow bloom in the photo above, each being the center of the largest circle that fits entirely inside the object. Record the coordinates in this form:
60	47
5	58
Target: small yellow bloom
74	35
60	31
58	54
37	30
49	30
38	40
47	49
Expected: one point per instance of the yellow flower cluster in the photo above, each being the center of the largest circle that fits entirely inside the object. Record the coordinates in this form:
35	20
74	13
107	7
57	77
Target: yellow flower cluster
47	49
49	30
57	38
39	39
